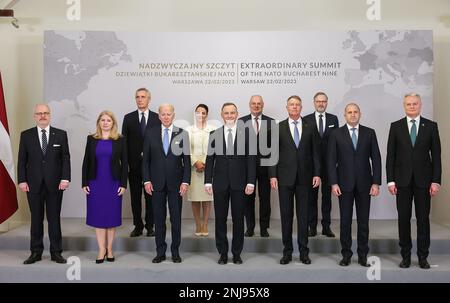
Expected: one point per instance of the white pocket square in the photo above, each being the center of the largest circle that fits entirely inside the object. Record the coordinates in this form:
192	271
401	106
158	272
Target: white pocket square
331	125
56	145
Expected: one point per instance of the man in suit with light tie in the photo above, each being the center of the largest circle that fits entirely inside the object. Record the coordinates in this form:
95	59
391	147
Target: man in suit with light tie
297	171
230	173
325	123
354	169
134	127
260	126
44	173
166	172
413	171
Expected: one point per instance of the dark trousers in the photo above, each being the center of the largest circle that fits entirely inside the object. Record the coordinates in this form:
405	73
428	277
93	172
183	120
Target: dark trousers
136	190
263	183
421	197
362	203
286	197
221	206
326	207
51	201
159	201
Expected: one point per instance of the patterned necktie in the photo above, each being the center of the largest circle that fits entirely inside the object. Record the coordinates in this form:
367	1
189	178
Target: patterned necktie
166	141
413	133
321	125
143	124
354	138
230	147
256	125
44	141
296	134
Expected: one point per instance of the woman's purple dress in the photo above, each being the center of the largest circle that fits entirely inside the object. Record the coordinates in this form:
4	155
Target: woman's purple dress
104	206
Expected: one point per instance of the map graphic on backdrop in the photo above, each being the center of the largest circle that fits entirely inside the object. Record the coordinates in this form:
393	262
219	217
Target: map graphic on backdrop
88	71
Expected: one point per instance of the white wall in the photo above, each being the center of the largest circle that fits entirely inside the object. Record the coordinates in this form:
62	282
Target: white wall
21	51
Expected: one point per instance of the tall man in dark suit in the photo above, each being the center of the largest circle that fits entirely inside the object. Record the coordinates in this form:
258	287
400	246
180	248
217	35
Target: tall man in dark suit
354	169
325	123
260	126
413	171
298	170
166	172
230	173
44	173
134	127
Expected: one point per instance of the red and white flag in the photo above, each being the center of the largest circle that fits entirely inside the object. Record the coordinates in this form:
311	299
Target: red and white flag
8	196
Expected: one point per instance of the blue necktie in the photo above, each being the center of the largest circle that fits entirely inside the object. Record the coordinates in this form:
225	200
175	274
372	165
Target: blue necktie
321	125
143	124
354	138
296	134
166	141
413	133
44	141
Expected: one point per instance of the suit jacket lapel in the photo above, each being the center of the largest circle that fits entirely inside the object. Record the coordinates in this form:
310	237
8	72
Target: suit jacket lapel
421	129
287	131
348	138
405	131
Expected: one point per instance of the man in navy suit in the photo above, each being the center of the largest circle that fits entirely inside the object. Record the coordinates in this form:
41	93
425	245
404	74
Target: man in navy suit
44	173
260	126
230	173
325	123
134	127
166	172
297	171
413	171
354	169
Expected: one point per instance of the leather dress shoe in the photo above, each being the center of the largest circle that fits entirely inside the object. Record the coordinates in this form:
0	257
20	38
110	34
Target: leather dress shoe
150	233
423	263
249	233
159	259
406	263
264	233
223	259
312	232
237	260
305	259
285	259
58	258
363	261
345	261
34	257
176	259
328	232
136	232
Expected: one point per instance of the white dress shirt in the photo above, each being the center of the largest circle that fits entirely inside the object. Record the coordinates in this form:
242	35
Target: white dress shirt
299	127
318	119
47	134
146	112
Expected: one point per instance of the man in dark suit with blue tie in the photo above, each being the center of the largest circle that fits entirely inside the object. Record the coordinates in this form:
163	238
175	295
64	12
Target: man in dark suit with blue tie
325	123
134	127
166	172
43	174
259	126
413	171
354	171
297	171
230	173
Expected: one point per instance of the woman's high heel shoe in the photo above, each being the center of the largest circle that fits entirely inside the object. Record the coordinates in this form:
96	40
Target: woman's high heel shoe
112	259
99	261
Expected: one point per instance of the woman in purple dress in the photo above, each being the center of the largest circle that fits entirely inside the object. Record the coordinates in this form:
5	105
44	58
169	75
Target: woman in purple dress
104	180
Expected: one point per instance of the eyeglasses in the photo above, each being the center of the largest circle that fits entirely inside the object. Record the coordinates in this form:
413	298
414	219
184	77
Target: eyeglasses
42	114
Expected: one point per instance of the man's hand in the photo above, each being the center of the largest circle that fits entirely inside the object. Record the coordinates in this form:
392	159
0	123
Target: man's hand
149	188
24	187
274	183
336	190
316	181
209	190
374	190
63	185
249	190
434	189
86	190
121	191
392	189
183	189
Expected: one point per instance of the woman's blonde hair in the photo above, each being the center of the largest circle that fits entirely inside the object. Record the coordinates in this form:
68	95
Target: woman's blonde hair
114	135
